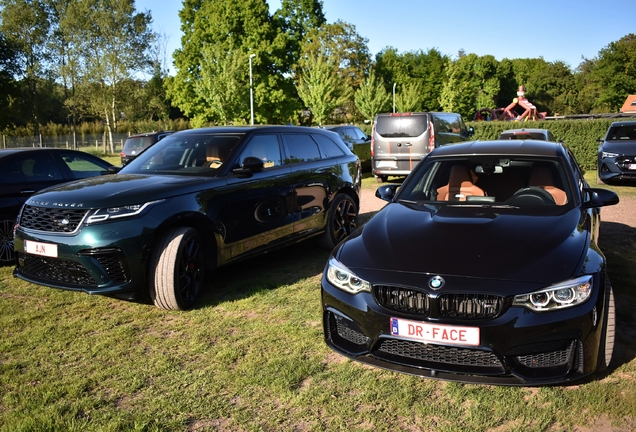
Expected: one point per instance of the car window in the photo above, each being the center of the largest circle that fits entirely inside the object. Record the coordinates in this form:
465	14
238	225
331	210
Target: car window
81	166
30	167
188	154
359	134
401	126
329	147
519	182
622	133
264	147
300	148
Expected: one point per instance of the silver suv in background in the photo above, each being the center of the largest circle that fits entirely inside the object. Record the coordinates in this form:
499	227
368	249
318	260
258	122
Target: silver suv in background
400	140
136	143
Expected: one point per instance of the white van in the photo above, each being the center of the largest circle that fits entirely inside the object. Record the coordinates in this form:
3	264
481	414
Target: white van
400	140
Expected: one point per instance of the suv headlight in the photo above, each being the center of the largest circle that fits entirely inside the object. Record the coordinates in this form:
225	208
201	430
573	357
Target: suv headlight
104	214
343	278
605	155
559	296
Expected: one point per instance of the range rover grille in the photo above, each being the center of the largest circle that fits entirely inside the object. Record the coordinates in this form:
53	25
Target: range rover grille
57	271
56	220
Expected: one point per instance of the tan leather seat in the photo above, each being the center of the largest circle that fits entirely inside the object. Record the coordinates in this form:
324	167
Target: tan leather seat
460	185
541	176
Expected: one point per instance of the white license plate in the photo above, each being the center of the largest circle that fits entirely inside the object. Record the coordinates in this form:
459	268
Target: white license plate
632	166
43	249
386	164
435	333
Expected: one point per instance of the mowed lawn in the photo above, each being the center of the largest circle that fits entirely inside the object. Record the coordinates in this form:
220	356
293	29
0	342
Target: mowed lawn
251	357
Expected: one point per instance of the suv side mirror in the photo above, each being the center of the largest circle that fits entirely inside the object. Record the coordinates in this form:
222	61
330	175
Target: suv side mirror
471	131
600	198
386	192
250	166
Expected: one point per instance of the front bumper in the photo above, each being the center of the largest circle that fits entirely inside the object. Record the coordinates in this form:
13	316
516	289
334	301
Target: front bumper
518	347
107	259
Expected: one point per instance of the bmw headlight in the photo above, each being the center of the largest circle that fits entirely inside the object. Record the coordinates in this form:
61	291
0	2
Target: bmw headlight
341	277
559	296
605	155
108	213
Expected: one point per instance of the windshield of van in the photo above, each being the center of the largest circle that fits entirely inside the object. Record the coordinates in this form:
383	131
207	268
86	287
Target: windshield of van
401	126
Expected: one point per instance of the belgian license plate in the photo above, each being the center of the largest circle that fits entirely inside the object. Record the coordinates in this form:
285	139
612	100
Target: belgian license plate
386	164
435	333
42	249
632	166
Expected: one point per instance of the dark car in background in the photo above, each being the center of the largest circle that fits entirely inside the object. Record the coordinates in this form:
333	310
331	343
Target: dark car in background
24	171
484	267
523	134
351	135
617	153
195	200
135	144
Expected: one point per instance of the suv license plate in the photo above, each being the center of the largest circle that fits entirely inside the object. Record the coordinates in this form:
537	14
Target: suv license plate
386	164
42	249
435	333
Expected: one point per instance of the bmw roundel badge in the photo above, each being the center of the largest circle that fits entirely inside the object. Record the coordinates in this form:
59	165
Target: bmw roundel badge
436	282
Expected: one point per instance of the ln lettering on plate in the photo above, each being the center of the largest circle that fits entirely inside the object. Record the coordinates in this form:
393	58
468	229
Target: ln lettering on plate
435	333
43	249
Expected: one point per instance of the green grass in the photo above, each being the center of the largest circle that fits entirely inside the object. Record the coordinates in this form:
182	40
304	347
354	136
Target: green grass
251	357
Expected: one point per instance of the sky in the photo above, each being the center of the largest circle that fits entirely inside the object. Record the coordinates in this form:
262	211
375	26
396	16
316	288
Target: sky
556	30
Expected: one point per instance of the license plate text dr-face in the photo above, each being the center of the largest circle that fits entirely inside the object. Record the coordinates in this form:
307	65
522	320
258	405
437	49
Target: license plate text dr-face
435	333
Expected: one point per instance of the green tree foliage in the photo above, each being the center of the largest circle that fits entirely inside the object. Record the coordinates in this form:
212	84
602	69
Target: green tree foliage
408	97
244	27
472	83
372	98
614	73
8	85
25	26
295	19
320	87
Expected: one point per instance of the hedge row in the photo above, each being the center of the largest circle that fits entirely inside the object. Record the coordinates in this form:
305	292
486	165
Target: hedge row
579	135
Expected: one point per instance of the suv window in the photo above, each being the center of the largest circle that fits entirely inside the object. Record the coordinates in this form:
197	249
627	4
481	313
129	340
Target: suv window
401	126
264	147
300	148
328	146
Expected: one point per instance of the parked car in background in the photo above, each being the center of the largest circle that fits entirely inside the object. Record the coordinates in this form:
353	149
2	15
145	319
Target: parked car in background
522	134
351	135
400	140
195	200
24	171
617	153
484	267
136	143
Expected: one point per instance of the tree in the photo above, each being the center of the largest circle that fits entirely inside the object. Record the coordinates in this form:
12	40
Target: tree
320	88
372	98
409	97
25	25
8	85
295	19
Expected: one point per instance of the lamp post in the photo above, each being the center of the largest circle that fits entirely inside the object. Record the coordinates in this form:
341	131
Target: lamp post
394	97
251	92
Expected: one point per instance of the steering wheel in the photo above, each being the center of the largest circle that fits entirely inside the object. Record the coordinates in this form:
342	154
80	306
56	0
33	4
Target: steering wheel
531	196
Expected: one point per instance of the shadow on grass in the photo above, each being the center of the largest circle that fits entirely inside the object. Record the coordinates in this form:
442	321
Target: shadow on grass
618	243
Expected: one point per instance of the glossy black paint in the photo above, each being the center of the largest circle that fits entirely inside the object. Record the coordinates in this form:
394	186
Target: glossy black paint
25	171
485	248
617	153
240	208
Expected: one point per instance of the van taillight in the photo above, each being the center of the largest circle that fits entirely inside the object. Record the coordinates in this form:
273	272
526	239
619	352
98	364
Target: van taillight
372	137
431	138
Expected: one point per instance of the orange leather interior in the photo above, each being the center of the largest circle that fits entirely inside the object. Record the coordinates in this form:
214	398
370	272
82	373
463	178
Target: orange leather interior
541	176
460	185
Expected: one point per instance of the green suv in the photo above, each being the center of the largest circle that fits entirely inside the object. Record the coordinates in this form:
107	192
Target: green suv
194	201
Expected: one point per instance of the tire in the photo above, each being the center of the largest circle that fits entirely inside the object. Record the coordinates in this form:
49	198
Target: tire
606	347
177	269
342	220
7	255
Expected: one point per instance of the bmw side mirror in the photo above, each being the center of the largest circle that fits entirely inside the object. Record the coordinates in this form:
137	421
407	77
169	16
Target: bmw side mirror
112	170
386	192
600	198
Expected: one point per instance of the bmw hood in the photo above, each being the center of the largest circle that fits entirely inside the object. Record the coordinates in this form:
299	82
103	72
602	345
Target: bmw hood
119	189
472	243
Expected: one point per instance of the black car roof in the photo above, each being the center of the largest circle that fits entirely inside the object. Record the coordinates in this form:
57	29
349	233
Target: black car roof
10	151
247	129
507	147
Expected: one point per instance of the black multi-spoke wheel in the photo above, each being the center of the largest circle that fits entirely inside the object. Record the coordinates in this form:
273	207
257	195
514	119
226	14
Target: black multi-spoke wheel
177	269
341	221
6	240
